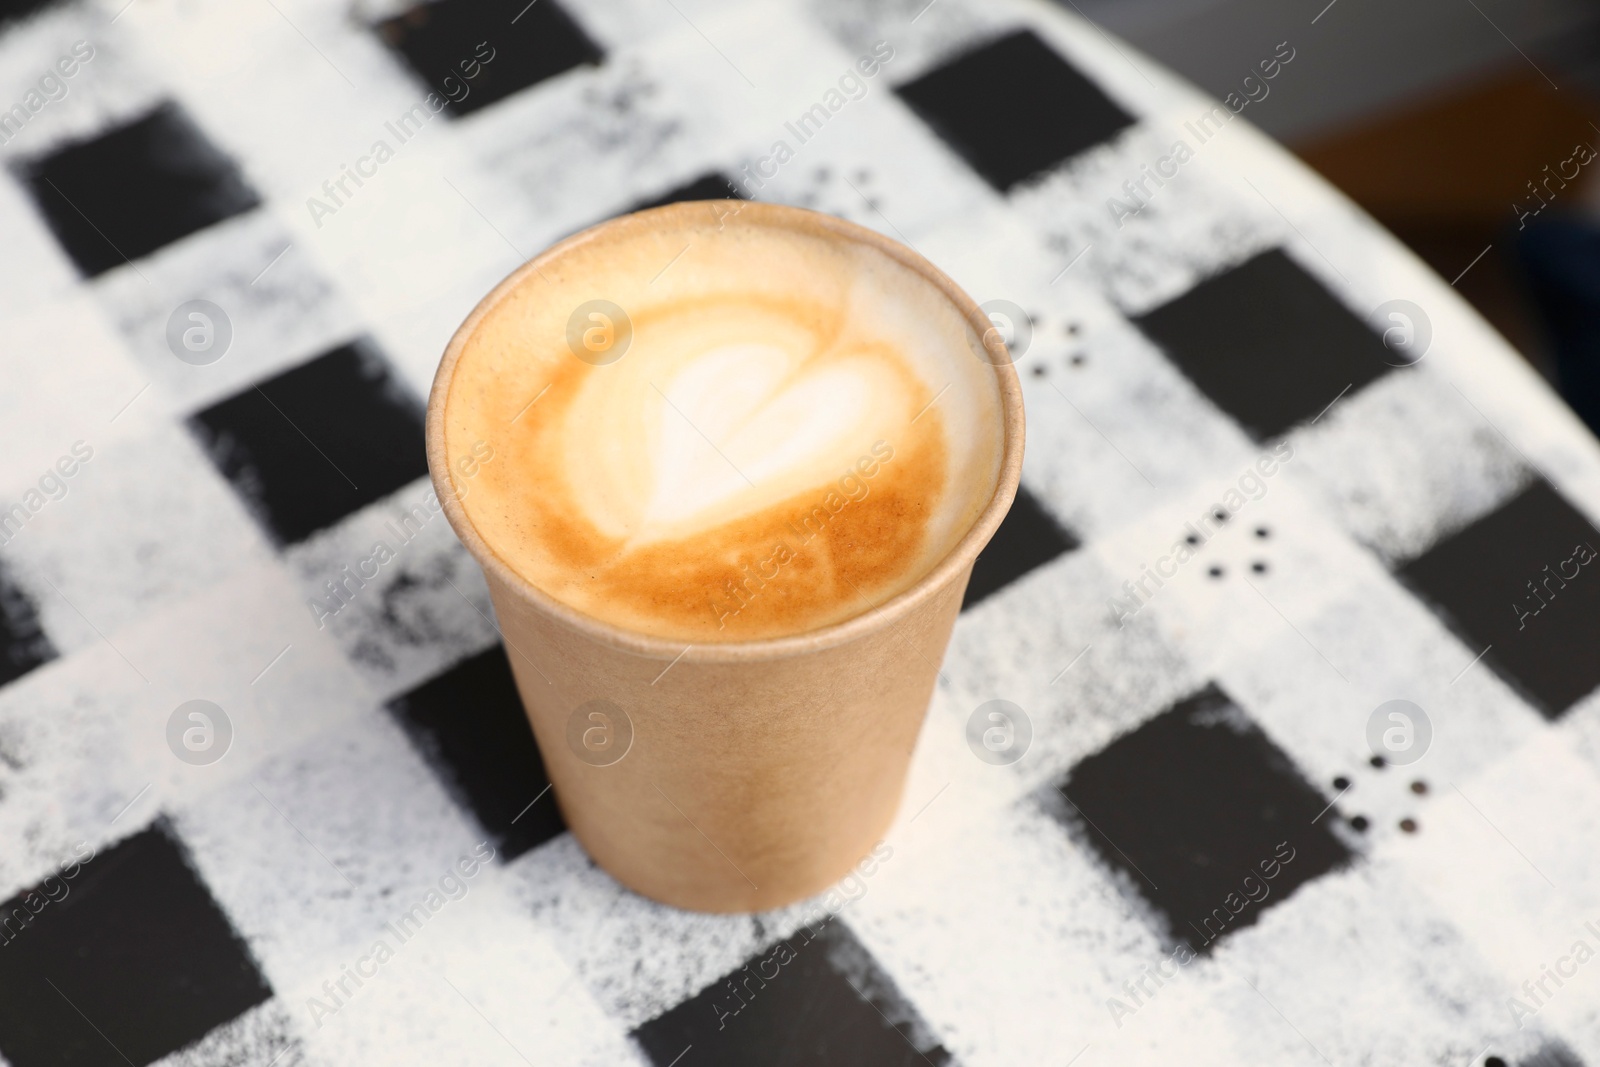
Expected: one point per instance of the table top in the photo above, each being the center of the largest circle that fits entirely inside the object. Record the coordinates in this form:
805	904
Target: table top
1294	615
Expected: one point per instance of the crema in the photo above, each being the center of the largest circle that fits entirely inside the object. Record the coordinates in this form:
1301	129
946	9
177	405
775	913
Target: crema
717	423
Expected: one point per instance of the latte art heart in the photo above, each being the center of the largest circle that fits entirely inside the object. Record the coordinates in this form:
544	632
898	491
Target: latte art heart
772	428
798	430
725	426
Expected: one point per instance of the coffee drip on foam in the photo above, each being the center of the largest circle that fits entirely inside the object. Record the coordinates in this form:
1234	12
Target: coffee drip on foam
798	430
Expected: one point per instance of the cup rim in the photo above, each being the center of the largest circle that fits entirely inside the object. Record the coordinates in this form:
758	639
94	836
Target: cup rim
891	611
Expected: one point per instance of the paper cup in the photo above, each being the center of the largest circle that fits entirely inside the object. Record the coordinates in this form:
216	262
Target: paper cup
735	776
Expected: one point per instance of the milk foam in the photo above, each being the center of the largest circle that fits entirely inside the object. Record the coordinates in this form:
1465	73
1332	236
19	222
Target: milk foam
798	429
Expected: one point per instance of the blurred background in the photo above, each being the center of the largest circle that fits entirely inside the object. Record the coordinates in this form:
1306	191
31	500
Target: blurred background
1456	123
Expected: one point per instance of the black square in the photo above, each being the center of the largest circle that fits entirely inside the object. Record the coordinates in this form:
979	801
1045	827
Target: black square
1515	582
23	644
1267	343
474	52
1193	803
798	1001
1553	1053
712	186
1028	537
131	960
127	192
1013	108
12	10
469	724
318	441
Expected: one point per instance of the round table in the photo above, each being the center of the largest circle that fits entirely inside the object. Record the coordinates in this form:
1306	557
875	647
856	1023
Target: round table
1294	616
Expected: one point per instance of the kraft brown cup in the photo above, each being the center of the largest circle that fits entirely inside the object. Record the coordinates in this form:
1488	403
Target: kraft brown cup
759	772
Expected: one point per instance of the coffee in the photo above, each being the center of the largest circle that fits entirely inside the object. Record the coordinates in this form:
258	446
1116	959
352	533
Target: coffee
716	429
720	425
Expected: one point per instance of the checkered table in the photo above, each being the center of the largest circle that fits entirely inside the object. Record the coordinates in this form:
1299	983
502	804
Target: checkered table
1259	505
